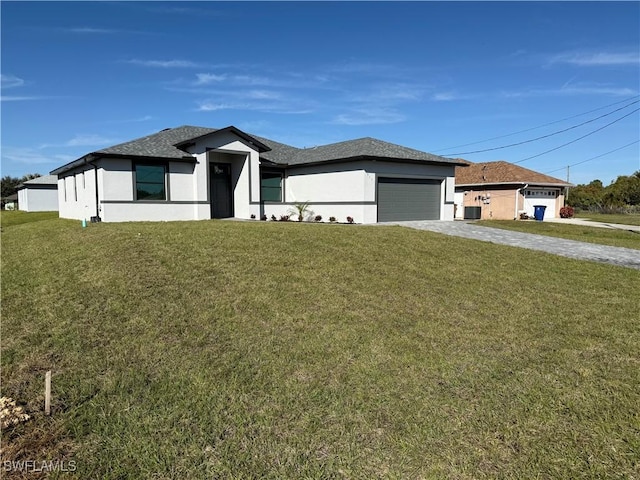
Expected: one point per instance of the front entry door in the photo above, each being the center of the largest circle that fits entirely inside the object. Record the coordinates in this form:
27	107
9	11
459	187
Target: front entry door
220	185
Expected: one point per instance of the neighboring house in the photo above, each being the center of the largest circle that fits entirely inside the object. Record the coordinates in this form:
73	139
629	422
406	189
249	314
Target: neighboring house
10	202
39	194
197	173
504	191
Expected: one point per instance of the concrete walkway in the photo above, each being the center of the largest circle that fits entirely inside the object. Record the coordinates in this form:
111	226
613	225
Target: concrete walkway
589	223
625	257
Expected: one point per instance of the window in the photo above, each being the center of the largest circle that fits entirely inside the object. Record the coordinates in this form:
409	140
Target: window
271	186
150	181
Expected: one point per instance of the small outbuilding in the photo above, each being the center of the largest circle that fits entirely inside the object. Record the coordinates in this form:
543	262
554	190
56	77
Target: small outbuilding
39	194
505	191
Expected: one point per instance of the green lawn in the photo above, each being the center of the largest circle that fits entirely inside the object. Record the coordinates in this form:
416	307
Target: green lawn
629	219
16	217
599	235
246	350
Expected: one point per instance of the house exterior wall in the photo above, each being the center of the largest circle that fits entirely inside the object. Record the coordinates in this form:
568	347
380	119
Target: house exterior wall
350	189
333	190
76	194
38	198
499	203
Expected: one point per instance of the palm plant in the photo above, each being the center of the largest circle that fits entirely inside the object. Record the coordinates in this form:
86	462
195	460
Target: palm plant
300	208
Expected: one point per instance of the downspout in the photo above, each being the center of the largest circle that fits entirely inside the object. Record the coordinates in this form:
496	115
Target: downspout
95	176
515	216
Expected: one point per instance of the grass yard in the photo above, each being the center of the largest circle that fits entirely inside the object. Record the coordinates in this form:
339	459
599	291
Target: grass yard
629	219
246	350
599	235
16	217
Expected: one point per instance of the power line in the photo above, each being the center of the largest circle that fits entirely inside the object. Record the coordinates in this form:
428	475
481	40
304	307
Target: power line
535	128
577	139
596	157
543	136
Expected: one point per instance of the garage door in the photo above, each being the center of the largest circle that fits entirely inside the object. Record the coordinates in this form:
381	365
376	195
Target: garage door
408	199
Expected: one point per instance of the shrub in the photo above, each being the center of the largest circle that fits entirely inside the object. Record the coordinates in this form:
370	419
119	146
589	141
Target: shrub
566	212
332	219
284	218
300	208
318	218
273	218
253	216
263	218
349	219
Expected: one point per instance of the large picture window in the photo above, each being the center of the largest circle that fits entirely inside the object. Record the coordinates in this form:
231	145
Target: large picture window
271	186
150	181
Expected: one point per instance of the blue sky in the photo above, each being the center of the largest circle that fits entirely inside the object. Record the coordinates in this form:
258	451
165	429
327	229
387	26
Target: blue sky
79	76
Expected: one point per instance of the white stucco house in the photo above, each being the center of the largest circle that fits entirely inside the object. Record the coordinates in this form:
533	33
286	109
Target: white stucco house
197	173
39	194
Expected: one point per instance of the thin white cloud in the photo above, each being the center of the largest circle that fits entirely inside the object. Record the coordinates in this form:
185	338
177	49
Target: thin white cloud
257	105
30	156
165	63
82	141
88	141
596	59
264	95
18	98
92	30
571	90
209	78
369	117
444	97
10	81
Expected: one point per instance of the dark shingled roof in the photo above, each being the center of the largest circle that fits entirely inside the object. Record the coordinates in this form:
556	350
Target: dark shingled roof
159	145
166	144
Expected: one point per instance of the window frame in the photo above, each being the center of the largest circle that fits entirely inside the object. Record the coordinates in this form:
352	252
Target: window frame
273	172
160	164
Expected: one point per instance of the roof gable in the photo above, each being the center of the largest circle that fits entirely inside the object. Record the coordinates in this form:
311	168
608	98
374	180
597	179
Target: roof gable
172	142
502	172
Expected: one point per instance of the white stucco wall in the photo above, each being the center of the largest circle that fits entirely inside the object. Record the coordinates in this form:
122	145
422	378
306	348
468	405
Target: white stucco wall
349	189
76	194
38	198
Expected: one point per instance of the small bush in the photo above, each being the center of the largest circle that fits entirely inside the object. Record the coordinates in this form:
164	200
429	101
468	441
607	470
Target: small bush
318	218
263	218
349	219
566	212
332	219
253	216
284	218
273	218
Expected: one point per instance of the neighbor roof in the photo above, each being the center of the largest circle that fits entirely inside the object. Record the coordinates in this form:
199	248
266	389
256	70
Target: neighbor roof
502	172
167	144
42	180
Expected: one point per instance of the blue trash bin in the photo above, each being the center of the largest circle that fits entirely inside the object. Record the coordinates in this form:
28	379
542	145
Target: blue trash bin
538	212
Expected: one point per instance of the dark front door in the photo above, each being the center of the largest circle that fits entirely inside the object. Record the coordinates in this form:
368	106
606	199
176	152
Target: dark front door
220	184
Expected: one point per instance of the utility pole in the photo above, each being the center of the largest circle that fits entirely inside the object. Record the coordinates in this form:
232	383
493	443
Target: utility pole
566	191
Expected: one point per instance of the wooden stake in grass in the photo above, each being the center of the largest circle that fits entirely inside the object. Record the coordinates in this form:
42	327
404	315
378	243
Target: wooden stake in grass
47	393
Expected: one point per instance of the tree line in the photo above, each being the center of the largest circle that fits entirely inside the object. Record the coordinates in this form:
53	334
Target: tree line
621	194
10	184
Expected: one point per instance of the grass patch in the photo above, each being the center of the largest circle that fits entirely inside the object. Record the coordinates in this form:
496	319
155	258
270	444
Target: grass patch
16	217
624	219
269	350
599	235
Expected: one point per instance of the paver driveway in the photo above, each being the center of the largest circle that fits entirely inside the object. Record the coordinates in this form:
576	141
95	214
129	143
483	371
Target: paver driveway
626	257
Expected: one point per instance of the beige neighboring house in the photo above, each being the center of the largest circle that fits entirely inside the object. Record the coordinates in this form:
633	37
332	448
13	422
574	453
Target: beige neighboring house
504	191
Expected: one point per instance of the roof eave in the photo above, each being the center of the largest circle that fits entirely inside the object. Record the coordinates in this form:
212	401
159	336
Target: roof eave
261	147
